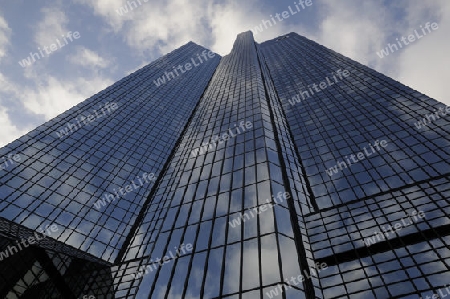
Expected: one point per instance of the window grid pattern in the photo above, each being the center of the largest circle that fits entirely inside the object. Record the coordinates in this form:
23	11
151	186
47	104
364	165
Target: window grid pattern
412	271
200	198
343	118
60	179
301	196
345	228
200	195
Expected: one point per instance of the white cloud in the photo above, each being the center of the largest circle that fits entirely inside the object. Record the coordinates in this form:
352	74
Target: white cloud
6	86
51	27
358	29
52	96
424	65
147	27
49	96
9	131
45	94
278	27
230	19
354	28
88	58
339	26
5	33
151	25
108	10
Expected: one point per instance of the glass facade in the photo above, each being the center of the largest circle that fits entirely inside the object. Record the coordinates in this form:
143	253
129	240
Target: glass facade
282	170
363	219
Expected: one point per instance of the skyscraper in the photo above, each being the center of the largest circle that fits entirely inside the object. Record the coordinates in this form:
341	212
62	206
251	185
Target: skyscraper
282	170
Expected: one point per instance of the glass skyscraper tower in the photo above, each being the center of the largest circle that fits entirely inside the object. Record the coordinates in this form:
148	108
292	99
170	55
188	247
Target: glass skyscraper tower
282	170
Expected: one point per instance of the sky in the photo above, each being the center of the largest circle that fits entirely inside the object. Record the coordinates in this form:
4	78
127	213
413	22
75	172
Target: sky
82	46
